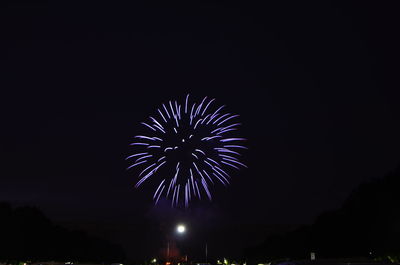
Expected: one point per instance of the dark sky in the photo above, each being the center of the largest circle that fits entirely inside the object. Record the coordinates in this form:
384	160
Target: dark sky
316	85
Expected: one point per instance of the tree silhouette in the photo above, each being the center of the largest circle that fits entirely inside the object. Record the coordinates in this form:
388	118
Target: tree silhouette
26	234
367	225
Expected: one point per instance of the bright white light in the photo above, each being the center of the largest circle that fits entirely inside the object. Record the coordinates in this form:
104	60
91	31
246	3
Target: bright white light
181	229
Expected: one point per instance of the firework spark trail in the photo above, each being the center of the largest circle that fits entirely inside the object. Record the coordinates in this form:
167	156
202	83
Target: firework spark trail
195	137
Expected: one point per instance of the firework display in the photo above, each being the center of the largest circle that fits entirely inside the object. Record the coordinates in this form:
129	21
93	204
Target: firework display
189	148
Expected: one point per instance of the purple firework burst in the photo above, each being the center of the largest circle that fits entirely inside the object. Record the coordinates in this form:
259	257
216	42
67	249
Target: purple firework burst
188	149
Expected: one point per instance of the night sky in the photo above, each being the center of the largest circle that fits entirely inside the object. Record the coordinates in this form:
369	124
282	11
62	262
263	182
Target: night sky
316	85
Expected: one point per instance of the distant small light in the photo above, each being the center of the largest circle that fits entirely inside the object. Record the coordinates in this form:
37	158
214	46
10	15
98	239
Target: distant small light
181	229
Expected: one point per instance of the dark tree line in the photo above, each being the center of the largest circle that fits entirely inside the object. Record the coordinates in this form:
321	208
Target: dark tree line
26	234
367	225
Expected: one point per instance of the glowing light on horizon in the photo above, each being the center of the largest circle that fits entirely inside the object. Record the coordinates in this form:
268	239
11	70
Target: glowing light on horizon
181	229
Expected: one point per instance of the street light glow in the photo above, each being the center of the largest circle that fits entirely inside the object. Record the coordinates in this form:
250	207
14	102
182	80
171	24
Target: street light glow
181	229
